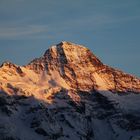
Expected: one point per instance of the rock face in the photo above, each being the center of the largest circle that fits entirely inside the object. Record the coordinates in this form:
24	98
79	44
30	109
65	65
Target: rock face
68	94
80	68
70	61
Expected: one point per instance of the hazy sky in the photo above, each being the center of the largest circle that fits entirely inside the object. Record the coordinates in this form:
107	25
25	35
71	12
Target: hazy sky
110	28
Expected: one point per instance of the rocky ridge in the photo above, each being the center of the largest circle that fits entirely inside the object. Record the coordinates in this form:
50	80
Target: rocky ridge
68	94
79	66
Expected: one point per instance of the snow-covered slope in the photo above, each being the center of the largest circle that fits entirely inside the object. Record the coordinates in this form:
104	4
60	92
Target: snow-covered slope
68	94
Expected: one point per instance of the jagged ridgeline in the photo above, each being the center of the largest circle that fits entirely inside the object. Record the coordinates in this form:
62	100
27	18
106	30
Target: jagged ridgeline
68	94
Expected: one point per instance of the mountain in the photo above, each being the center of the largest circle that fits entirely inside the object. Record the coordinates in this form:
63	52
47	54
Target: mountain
68	94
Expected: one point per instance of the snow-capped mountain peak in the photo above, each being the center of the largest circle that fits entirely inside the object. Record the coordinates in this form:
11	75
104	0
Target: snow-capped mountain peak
68	93
70	60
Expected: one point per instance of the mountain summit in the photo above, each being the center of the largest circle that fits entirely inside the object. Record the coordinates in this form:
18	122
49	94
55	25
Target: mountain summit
81	69
66	65
68	94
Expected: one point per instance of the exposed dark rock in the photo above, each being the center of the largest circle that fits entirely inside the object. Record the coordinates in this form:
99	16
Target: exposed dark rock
41	131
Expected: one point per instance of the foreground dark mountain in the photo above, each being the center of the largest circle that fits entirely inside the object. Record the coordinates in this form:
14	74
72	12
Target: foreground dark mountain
68	94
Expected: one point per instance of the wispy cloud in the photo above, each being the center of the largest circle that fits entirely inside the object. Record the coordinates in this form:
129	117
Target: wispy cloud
39	24
96	21
21	31
37	31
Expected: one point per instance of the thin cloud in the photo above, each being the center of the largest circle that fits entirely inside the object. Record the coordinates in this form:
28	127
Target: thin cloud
21	32
97	21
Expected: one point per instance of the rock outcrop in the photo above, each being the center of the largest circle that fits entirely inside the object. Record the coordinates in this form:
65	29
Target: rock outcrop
80	69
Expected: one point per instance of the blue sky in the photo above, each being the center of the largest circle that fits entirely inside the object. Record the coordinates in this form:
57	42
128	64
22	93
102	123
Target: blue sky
110	28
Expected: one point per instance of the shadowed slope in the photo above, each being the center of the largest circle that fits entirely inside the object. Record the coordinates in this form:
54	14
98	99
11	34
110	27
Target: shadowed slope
68	94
